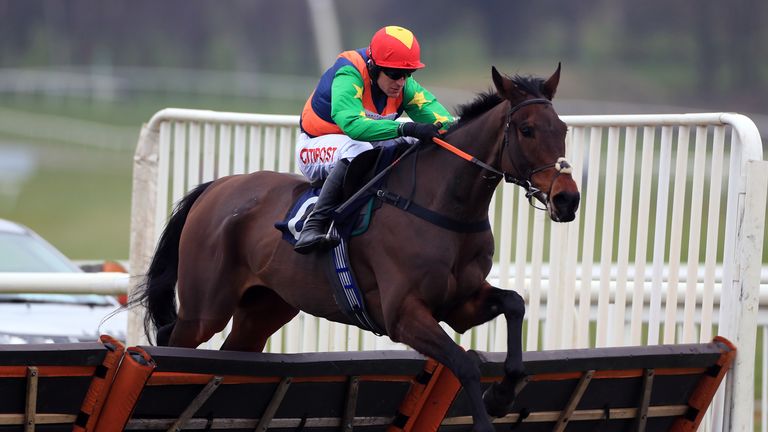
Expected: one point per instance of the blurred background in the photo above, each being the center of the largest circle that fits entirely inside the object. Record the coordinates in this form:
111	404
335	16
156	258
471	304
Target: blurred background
78	78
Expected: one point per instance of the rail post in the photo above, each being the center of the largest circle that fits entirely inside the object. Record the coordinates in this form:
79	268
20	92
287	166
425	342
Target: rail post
143	236
739	321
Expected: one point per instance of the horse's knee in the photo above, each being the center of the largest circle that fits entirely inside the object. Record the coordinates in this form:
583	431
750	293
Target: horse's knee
515	304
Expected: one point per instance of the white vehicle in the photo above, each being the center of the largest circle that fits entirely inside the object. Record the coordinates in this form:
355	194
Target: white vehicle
49	318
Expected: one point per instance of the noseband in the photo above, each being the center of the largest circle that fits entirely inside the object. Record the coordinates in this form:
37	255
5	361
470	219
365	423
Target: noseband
561	165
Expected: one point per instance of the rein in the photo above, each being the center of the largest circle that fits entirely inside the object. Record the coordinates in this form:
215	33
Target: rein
561	165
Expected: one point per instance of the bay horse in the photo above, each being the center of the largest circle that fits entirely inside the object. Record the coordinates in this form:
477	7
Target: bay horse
230	262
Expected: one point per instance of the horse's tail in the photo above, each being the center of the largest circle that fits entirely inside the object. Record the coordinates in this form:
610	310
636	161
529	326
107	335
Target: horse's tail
157	292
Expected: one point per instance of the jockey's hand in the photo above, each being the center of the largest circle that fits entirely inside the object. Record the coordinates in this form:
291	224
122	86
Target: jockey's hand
423	131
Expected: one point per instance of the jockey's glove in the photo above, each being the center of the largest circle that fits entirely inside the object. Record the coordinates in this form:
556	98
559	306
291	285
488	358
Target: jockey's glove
423	131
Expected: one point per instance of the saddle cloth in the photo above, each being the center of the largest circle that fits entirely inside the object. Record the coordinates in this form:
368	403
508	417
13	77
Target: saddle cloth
293	222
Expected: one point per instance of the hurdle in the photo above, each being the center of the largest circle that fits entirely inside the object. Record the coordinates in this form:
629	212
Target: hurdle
104	387
56	387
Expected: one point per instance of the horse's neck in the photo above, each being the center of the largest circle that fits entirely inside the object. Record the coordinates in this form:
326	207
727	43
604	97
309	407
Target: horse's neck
460	188
482	136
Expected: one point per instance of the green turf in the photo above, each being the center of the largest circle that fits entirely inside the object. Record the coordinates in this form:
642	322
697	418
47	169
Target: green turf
78	199
79	195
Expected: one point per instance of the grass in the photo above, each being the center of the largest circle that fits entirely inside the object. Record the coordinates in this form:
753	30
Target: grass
78	199
78	193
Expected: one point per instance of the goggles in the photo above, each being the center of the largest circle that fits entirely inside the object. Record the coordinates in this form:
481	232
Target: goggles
396	74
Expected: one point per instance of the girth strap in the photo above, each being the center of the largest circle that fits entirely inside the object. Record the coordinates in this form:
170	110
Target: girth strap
431	216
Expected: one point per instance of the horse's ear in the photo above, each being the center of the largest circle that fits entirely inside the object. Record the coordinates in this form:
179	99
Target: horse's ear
506	88
502	84
549	87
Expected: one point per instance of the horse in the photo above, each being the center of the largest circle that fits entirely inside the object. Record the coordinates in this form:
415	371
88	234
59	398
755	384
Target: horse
221	249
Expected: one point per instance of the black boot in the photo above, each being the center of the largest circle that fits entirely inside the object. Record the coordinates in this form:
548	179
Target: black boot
314	235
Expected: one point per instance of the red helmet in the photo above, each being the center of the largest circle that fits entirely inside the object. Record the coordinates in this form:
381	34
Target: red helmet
395	47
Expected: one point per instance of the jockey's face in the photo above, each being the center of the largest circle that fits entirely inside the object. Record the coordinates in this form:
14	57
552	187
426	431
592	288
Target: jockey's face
390	87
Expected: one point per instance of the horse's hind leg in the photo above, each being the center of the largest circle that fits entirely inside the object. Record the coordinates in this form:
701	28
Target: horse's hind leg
488	303
164	334
417	328
259	314
190	333
201	314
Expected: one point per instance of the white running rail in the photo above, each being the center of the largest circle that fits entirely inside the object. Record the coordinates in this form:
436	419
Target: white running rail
672	215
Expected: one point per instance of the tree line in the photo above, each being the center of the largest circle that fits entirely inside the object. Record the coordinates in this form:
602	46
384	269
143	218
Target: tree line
716	48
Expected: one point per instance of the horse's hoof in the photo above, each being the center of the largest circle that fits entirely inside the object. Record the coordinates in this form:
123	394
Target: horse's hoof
497	402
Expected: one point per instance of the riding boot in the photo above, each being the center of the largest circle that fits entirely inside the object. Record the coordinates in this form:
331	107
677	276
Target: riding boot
314	234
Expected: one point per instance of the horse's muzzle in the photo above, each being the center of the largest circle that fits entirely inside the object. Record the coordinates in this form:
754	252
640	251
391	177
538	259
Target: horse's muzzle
563	205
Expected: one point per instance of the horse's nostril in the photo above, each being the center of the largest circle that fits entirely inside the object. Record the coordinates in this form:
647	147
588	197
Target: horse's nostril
565	205
566	201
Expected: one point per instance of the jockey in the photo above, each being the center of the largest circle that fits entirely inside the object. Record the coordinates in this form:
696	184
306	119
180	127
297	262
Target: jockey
353	109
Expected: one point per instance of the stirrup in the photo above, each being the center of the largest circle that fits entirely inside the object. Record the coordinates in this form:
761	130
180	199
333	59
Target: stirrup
319	242
331	240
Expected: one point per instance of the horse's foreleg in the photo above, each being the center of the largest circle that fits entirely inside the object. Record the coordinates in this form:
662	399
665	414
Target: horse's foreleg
417	328
488	303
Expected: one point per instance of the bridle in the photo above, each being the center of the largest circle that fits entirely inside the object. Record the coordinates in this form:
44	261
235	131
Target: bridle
561	165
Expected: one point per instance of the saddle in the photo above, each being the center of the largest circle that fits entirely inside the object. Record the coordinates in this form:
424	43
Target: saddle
356	216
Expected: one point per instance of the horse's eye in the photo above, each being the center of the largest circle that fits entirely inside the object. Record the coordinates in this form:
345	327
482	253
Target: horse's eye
527	131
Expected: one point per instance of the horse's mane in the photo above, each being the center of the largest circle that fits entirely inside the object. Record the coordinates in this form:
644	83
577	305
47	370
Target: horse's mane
482	103
485	101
